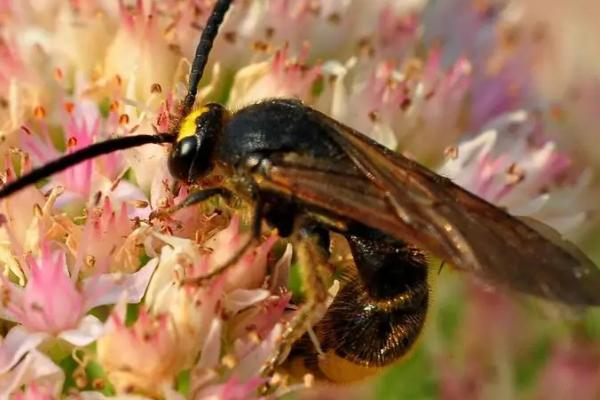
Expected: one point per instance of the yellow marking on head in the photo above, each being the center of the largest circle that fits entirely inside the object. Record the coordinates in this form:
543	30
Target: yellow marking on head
188	126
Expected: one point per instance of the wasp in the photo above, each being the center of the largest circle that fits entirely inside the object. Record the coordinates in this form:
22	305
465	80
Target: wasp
310	176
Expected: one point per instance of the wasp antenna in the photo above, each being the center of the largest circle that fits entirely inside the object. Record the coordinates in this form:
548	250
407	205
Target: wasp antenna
92	151
203	50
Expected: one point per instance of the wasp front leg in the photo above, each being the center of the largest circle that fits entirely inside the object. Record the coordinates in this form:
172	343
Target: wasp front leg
257	217
194	198
316	274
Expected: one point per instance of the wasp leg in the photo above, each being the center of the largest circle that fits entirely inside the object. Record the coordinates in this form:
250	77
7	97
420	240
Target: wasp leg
202	195
321	237
194	198
257	217
315	275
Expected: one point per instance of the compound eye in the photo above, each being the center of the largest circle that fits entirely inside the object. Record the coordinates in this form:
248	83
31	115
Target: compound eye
182	158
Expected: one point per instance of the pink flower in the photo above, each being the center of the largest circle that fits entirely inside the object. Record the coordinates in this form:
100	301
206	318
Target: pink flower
283	76
401	106
513	164
479	361
20	85
227	314
83	126
139	53
573	371
249	272
142	357
34	392
231	390
189	222
39	308
397	34
54	305
41	377
481	32
18	216
109	238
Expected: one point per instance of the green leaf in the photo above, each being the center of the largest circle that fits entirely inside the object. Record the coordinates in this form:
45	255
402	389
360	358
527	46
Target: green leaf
96	374
182	382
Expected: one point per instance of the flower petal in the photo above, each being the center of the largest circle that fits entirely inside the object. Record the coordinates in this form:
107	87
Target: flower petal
108	288
34	367
90	328
211	351
17	343
238	299
251	363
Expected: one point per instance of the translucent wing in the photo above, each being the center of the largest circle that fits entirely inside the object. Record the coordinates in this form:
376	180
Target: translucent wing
389	192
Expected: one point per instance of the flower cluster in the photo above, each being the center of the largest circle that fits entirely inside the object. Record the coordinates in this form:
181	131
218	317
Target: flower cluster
94	292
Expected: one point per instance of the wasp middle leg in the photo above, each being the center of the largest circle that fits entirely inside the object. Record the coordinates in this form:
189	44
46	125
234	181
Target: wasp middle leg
311	244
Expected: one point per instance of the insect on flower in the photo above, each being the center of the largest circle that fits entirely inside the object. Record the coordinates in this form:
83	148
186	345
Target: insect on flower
308	176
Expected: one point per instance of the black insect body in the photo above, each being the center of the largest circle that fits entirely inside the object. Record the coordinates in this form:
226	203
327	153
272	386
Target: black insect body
307	175
285	154
386	302
377	314
298	167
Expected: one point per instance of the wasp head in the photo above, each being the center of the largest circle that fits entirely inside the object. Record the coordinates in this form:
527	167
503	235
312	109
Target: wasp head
193	153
